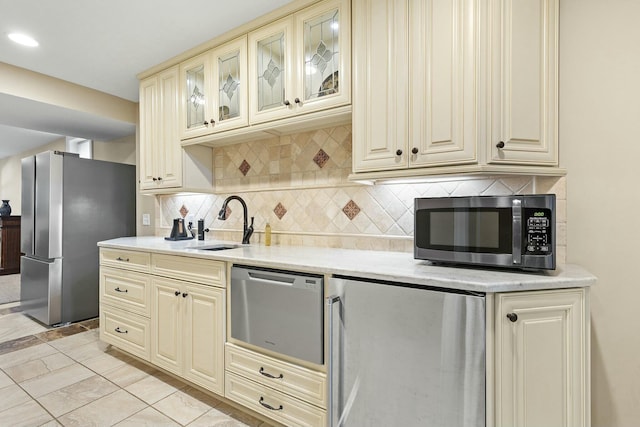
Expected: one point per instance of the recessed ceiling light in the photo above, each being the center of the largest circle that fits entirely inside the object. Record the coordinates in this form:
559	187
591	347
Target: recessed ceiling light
23	39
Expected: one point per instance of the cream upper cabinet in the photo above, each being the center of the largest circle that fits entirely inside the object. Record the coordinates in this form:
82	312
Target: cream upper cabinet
524	80
213	94
415	83
160	150
542	359
301	63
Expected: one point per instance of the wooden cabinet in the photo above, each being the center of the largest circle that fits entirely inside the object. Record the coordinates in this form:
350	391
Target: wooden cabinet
164	164
459	86
160	151
213	95
524	82
301	63
188	335
542	358
125	301
415	83
9	245
166	309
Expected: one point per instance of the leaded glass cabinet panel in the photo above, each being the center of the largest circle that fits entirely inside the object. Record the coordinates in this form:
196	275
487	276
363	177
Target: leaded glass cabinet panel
230	108
195	96
322	55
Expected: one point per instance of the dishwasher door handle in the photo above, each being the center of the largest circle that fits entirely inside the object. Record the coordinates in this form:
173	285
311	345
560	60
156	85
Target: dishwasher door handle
272	278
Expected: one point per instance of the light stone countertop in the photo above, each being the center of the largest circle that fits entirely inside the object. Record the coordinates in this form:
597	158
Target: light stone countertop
379	265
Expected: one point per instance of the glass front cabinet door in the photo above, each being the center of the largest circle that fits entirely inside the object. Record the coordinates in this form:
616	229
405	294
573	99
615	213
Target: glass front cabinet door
214	97
301	63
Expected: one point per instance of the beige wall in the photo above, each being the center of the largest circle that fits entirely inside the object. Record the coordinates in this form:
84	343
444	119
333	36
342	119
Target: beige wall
600	146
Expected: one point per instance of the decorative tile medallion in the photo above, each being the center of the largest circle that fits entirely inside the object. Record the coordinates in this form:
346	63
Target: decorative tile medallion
351	209
244	167
321	158
184	211
279	210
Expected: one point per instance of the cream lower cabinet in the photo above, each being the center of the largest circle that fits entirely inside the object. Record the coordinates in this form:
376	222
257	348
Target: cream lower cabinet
188	334
169	310
542	358
290	394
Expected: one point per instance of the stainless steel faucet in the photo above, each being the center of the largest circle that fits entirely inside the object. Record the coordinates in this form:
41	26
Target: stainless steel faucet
247	229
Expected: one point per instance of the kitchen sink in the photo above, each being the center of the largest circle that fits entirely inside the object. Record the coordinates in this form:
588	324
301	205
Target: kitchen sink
220	247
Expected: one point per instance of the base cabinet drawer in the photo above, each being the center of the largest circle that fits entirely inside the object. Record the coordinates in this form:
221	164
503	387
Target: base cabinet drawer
125	289
205	271
127	331
128	260
288	378
271	403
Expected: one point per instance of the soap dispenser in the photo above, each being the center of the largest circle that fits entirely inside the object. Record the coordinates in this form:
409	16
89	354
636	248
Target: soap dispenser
267	235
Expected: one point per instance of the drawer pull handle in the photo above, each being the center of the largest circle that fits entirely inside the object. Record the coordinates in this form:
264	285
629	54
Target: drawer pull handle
121	332
269	407
268	375
120	290
122	259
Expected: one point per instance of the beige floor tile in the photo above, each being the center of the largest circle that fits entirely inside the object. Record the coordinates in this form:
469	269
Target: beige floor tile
25	355
129	373
215	418
11	396
27	415
16	325
35	368
56	380
104	362
182	407
66	344
153	388
76	395
86	351
148	417
5	380
238	415
105	411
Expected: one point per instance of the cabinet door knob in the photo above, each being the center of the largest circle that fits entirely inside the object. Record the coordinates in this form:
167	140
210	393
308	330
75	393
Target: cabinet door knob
184	295
159	178
154	178
500	144
176	293
399	152
213	122
286	102
206	123
512	316
414	150
297	101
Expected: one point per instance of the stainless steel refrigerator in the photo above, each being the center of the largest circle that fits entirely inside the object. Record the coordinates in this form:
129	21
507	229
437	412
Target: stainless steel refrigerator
405	355
68	205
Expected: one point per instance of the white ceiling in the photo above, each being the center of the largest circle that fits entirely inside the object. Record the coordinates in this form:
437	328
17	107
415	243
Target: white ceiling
101	45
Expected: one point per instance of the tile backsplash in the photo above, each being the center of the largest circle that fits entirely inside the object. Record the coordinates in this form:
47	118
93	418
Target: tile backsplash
298	184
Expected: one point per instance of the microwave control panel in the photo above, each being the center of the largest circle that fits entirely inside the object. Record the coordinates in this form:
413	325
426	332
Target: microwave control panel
538	229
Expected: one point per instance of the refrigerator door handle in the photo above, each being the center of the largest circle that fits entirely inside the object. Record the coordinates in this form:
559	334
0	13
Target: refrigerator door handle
332	303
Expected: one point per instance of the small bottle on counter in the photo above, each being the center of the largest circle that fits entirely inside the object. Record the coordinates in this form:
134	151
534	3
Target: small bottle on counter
201	229
267	235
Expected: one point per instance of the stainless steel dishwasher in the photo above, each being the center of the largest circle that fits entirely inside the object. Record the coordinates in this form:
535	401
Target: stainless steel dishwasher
278	310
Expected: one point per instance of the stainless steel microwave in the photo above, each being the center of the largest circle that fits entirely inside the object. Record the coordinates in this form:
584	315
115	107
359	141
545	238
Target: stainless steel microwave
499	231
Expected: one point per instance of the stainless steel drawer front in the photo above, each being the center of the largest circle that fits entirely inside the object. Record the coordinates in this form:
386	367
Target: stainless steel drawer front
279	311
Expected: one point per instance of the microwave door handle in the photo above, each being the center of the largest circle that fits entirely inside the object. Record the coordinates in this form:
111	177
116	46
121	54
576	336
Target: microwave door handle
517	231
